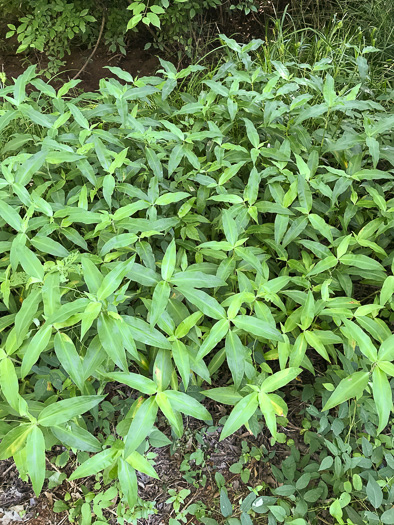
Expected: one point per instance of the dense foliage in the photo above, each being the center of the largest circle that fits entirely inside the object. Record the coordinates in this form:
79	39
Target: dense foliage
157	240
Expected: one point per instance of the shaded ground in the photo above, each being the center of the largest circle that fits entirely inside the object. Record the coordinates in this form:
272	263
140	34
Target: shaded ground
137	62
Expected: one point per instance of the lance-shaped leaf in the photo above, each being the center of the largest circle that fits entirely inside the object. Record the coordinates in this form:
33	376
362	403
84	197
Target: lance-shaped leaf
236	356
268	412
256	327
216	334
136	381
240	414
181	358
141	425
62	411
91	313
77	437
95	464
352	386
36	346
143	332
137	461
9	383
112	280
227	395
69	358
35	458
10	215
386	350
383	397
111	339
23	320
207	304
128	482
168	262
279	379
14	440
187	405
160	297
162	369
353	331
174	417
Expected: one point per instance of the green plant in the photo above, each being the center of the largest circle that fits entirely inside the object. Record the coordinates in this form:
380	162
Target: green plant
51	26
152	238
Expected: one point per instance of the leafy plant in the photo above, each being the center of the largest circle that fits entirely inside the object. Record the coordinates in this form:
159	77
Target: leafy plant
152	238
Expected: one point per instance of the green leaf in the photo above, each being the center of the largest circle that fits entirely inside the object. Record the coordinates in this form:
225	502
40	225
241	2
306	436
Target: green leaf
14	440
240	415
23	320
30	262
62	411
128	482
187	324
77	437
280	379
67	310
195	279
207	304
361	261
162	369
216	334
229	227
35	458
374	493
160	297
30	167
141	464
387	517
171	414
227	395
257	328
386	350
69	358
383	397
51	293
10	216
181	358
236	356
92	275
47	245
268	412
225	505
112	280
320	225
143	332
95	464
363	341
111	339
323	265
352	386
141	425
124	240
37	345
387	290
295	230
187	405
9	383
91	313
136	381
168	262
313	340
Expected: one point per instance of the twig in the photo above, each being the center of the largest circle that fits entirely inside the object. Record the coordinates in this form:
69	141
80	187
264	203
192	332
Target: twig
94	49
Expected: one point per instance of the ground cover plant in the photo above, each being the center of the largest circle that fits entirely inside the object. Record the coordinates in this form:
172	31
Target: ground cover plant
184	245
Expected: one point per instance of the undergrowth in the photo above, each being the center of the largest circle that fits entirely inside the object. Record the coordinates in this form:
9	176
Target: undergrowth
224	243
